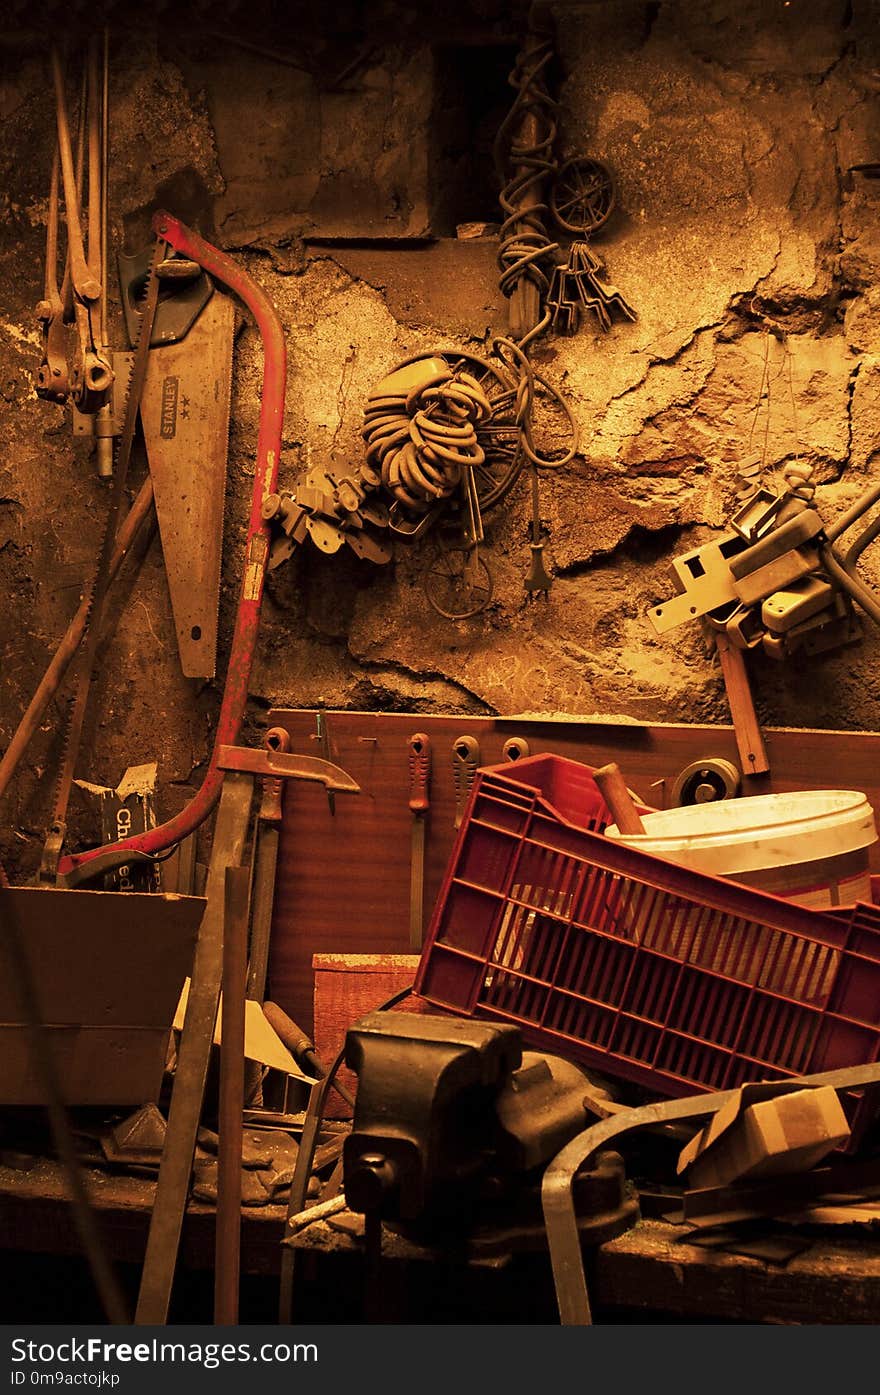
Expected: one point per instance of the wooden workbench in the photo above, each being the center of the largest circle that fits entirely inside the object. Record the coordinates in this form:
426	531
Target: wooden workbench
647	1270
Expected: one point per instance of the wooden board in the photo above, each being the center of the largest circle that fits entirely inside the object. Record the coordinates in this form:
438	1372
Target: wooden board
343	879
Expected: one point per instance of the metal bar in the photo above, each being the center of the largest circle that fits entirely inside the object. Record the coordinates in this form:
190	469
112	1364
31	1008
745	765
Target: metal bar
194	1055
141	509
852	584
285	765
84	283
227	1250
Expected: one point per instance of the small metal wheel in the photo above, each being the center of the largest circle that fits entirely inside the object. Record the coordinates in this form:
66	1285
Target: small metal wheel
457	582
582	196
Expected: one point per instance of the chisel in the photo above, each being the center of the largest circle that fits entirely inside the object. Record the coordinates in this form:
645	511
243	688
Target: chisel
419	779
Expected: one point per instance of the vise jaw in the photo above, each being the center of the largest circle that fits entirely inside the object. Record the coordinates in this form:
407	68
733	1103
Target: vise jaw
424	1114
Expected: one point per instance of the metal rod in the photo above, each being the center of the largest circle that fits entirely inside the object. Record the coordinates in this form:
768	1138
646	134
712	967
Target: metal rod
175	1169
83	281
227	1252
141	509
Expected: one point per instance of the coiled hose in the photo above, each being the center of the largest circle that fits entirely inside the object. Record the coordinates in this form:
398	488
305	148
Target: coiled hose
525	140
419	445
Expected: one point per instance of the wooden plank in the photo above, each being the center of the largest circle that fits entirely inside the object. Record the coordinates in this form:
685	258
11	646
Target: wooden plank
343	880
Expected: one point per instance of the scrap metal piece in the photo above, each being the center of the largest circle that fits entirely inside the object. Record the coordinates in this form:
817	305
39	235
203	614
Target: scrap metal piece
563	1238
705	580
137	1140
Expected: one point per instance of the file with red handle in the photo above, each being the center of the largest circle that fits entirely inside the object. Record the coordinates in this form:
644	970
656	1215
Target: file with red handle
419	799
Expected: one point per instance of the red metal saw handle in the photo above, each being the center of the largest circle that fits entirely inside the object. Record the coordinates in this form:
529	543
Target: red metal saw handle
75	867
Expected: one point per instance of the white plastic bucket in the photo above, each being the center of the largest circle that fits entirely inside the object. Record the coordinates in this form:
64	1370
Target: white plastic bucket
810	846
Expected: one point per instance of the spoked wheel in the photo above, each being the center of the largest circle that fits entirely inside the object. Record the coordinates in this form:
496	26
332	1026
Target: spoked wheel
582	196
457	582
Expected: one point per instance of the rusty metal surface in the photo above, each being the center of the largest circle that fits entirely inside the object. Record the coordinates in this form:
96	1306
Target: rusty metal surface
185	416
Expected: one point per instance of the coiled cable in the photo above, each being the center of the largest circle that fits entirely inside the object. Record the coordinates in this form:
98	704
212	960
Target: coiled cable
524	243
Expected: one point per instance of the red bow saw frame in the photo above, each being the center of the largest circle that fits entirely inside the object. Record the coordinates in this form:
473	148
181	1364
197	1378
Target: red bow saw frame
75	868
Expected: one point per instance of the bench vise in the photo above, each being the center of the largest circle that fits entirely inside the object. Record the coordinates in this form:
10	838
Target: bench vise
453	1127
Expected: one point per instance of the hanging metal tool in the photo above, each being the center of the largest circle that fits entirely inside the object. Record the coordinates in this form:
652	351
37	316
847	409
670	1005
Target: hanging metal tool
55	839
84	372
322	736
419	792
576	286
465	761
538	578
185	418
276	740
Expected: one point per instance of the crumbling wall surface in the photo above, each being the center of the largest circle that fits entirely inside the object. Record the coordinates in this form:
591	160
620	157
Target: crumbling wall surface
741	236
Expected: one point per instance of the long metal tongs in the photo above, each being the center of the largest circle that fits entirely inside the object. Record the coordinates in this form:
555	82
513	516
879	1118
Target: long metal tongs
82	373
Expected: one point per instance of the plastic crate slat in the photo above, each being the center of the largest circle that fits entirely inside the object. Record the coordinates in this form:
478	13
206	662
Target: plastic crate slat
623	960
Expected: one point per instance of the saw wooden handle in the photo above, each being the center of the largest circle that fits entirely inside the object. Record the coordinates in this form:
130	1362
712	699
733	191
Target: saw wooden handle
618	798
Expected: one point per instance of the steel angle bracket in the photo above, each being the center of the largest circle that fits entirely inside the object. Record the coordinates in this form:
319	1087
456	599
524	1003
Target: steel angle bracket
705	583
560	1220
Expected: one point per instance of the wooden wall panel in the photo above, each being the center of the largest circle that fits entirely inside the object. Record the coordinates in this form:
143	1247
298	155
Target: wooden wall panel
343	878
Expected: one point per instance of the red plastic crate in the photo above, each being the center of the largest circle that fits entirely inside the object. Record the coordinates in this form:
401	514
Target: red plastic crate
666	977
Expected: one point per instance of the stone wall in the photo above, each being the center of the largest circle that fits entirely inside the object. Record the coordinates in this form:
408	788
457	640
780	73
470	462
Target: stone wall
745	244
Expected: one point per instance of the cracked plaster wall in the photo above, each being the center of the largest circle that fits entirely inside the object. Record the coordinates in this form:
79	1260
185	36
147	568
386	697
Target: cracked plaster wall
730	127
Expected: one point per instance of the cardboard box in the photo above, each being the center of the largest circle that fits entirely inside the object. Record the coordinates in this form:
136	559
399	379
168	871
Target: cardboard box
107	969
765	1131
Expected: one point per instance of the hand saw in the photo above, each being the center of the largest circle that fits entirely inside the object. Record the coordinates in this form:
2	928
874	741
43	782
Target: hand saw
58	828
185	421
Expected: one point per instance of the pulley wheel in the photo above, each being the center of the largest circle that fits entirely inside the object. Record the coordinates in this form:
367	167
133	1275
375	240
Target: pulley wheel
705	781
457	582
582	196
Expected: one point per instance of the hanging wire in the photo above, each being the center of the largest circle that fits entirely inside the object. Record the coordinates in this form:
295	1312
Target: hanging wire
524	243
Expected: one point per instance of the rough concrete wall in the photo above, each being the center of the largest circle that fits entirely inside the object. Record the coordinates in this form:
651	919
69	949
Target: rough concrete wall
748	250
